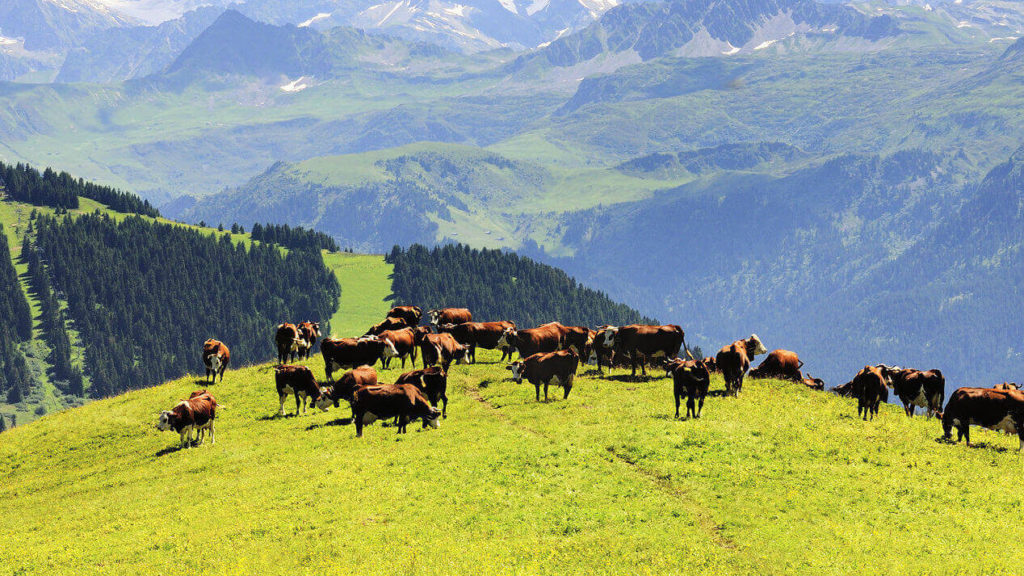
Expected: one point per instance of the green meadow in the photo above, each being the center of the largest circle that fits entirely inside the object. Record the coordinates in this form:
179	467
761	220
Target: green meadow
781	480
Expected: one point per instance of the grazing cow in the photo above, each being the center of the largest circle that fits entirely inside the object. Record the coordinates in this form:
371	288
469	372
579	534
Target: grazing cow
288	341
1007	386
371	403
573	338
642	343
992	409
309	333
389	323
690	378
844	389
346	386
450	316
297	380
411	314
431	381
734	361
546	338
813	383
216	357
441	349
341	353
479	334
197	413
779	364
916	388
601	349
558	368
870	390
398	344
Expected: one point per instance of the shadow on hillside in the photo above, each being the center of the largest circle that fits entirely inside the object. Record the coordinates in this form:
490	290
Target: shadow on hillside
202	382
717	393
176	448
981	445
337	422
631	379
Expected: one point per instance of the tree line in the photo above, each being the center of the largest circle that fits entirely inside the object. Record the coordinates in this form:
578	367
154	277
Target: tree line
297	238
61	190
498	285
144	296
16	327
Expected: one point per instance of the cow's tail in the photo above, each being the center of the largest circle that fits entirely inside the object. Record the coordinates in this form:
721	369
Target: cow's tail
685	347
800	365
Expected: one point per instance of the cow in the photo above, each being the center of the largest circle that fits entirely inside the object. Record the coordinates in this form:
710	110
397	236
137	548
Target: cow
346	386
813	383
389	323
642	343
309	333
530	341
573	338
782	364
1007	386
197	413
398	344
690	378
870	389
600	349
916	388
480	334
341	353
216	357
450	316
734	361
710	362
288	341
208	398
411	314
297	380
371	403
986	407
431	381
558	368
441	349
844	389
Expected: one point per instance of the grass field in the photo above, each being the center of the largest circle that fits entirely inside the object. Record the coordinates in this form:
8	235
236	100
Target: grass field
365	283
779	481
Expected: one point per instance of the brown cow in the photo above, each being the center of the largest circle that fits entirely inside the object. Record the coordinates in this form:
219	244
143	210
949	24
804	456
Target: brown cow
546	338
1007	386
916	388
346	386
288	342
309	333
398	344
411	314
711	363
297	380
431	381
450	316
690	378
371	403
573	338
734	361
992	409
479	334
389	323
197	413
441	349
341	353
813	383
216	357
600	351
779	364
547	368
870	389
642	343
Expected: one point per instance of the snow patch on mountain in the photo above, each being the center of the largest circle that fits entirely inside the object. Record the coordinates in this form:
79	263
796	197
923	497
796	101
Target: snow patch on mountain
509	5
315	19
297	85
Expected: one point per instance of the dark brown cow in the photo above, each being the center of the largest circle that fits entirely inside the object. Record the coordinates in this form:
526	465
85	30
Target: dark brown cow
870	390
1007	386
346	386
916	388
813	383
690	378
479	334
441	349
450	316
782	364
288	342
642	343
734	361
711	363
844	389
371	403
341	353
389	323
558	368
297	380
986	407
398	344
216	358
411	314
197	413
600	351
546	338
309	334
431	381
573	338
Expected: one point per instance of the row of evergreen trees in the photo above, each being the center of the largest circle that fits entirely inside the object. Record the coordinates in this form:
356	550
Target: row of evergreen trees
144	295
498	285
15	327
61	190
297	238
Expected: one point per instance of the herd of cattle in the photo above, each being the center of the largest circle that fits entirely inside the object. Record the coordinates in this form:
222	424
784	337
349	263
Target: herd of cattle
550	354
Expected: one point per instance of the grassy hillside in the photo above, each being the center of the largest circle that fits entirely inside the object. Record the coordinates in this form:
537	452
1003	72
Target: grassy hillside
366	283
782	480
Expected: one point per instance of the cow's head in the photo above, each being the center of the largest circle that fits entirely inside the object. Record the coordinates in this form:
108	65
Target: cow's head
390	351
889	373
517	371
326	398
433	316
814	383
460	354
432	419
507	338
165	421
213	361
754	346
671	364
316	329
610	333
420	333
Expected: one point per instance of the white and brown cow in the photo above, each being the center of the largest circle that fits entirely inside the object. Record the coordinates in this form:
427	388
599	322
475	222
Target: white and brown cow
411	314
783	364
309	334
916	388
288	342
642	343
398	344
195	414
441	349
346	386
480	334
734	360
297	380
544	338
986	407
547	368
340	353
433	382
404	401
450	316
216	357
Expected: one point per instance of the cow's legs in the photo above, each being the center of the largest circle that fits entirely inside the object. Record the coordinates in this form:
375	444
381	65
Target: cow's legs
403	422
537	387
676	395
357	417
700	406
444	406
282	398
297	402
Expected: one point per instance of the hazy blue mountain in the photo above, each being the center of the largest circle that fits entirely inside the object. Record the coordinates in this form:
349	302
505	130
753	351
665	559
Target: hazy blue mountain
55	24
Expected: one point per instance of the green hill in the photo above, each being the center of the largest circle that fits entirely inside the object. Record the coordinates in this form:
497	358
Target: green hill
780	481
